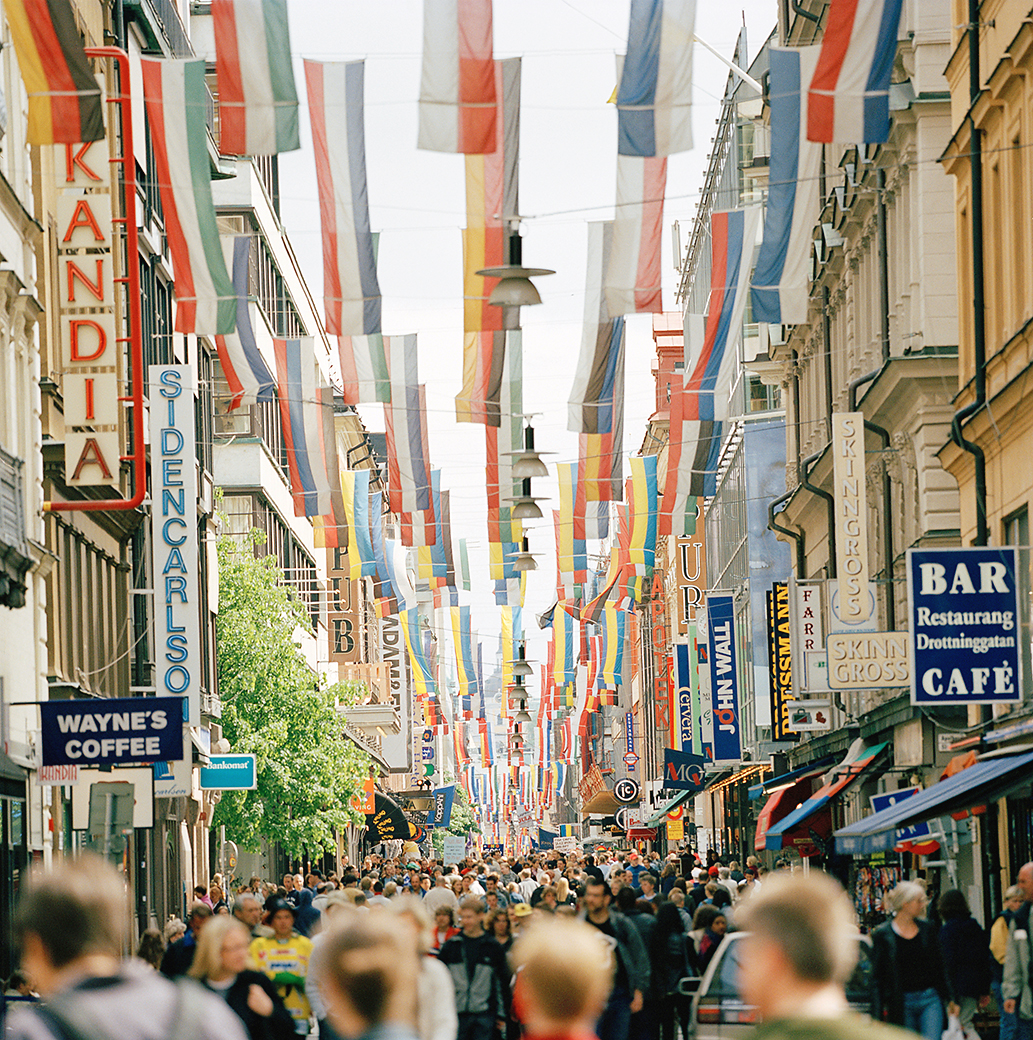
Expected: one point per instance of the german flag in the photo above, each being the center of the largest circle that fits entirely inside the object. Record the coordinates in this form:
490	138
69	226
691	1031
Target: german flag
65	105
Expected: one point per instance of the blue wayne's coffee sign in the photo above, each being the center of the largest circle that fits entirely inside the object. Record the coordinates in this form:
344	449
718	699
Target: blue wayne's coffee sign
964	626
114	731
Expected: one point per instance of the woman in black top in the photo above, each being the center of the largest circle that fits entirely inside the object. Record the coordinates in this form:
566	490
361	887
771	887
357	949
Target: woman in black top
669	961
911	985
221	964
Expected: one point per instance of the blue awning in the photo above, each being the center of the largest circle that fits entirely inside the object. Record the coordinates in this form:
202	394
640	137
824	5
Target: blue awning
986	781
857	760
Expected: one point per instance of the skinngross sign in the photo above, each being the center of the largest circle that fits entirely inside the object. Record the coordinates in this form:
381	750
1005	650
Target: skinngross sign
964	626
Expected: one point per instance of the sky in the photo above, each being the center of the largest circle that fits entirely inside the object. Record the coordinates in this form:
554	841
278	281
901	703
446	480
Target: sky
568	137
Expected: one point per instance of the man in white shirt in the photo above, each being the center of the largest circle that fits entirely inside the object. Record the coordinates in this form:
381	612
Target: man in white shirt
440	895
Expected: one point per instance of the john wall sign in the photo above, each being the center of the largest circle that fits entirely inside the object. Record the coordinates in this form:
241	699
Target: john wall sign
113	731
964	609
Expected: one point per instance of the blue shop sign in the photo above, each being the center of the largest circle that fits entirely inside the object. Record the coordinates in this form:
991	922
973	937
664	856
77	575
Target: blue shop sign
724	678
113	731
964	608
229	773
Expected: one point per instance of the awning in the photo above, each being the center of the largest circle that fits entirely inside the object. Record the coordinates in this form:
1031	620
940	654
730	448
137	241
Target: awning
641	834
986	781
673	804
779	783
601	804
779	805
858	759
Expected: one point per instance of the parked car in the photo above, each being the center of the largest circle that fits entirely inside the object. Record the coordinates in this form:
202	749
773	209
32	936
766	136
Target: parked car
718	1011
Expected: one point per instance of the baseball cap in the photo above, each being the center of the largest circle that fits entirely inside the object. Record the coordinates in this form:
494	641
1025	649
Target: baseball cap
713	872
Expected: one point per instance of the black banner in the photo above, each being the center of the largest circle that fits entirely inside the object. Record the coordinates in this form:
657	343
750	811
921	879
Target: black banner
780	672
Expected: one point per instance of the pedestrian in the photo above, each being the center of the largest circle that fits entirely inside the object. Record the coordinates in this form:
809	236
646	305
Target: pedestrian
966	956
436	1017
248	910
476	963
669	964
71	925
631	978
498	927
221	964
800	949
178	955
151	948
444	925
998	948
370	982
1015	984
911	984
563	976
306	917
440	895
284	958
338	907
713	932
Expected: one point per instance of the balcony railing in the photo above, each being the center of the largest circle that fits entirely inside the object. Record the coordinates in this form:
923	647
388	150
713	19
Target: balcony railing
12	502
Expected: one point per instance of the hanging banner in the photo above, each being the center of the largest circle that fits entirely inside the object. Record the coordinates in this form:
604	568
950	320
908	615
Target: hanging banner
440	814
724	679
780	668
683	772
850	487
964	611
176	560
685	682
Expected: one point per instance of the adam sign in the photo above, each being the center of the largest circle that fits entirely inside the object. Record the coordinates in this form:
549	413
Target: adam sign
89	351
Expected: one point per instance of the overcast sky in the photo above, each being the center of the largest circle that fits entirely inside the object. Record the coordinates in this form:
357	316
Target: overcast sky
567	177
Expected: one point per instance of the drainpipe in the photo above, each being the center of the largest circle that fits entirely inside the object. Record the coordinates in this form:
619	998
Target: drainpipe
797	536
978	284
816	18
830	504
826	328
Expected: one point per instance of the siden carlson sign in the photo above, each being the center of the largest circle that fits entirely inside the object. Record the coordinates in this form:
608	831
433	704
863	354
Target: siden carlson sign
964	626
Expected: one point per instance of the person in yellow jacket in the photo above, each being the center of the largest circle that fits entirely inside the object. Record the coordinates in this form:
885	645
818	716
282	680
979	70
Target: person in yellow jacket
284	958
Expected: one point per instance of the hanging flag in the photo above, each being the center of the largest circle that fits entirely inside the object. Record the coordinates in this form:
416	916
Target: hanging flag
65	103
696	419
632	282
491	204
464	565
504	533
643	509
249	378
407	459
330	530
467	675
564	668
849	89
457	85
613	635
310	461
364	368
654	96
383	590
512	635
395	562
176	98
422	676
355	490
351	294
258	102
781	278
571	551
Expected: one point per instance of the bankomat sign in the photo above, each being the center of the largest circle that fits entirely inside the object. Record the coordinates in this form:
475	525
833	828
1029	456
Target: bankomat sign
175	551
964	609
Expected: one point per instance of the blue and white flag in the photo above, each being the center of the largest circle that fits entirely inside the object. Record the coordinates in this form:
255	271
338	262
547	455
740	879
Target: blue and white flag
781	279
655	92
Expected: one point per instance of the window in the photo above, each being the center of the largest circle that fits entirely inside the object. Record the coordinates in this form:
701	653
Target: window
1015	530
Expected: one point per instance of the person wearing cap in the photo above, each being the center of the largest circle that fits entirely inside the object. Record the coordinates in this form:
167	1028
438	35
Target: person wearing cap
518	916
285	958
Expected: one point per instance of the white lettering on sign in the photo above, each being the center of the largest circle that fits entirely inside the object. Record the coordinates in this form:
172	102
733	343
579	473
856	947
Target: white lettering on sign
175	553
851	511
90	351
725	678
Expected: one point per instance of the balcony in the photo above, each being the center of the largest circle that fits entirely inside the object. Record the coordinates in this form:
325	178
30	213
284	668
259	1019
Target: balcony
14	549
161	25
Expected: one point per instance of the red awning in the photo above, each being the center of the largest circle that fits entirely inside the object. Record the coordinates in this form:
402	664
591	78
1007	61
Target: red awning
641	834
780	805
955	766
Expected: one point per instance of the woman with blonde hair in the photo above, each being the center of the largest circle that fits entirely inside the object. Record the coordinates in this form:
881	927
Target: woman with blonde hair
221	964
911	984
436	1017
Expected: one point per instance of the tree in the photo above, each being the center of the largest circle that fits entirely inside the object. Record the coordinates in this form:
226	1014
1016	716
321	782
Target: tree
463	821
274	708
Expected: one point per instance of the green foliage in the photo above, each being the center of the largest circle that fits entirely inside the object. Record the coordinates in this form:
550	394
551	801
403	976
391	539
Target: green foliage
273	708
463	821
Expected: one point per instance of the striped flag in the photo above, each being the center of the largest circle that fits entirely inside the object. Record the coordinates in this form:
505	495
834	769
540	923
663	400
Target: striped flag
564	667
463	641
258	101
491	202
654	96
65	104
355	489
364	368
245	369
642	506
408	462
849	90
457	82
422	676
351	294
700	404
311	460
611	672
383	590
781	278
330	530
633	272
175	95
504	533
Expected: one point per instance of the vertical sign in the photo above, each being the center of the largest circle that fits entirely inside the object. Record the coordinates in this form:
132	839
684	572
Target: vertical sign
658	641
724	678
343	623
397	747
176	575
780	661
808	638
965	626
691	572
683	669
851	510
89	351
704	712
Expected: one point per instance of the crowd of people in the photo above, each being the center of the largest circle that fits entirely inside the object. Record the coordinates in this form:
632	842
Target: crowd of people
305	956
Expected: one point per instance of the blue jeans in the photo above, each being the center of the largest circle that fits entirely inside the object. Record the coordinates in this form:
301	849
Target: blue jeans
1008	1024
616	1018
923	1013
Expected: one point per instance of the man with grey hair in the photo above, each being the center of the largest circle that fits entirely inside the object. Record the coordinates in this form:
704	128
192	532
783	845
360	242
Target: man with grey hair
248	910
71	925
1015	985
795	961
